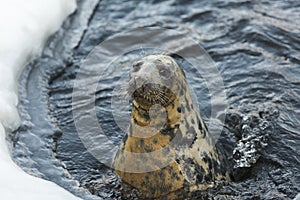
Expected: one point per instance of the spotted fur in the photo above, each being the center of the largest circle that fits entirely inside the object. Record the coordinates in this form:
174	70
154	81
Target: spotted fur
174	131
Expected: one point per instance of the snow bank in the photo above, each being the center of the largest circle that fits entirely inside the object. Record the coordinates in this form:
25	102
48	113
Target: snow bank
25	26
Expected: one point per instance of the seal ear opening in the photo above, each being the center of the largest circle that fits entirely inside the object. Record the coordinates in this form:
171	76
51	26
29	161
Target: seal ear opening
175	58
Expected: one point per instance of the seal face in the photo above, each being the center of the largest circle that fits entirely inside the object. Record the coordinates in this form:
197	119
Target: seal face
167	146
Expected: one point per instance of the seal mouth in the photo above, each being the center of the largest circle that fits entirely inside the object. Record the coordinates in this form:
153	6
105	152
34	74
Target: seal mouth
150	94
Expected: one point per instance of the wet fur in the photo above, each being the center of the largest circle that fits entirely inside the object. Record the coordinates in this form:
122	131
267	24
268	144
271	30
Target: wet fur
183	137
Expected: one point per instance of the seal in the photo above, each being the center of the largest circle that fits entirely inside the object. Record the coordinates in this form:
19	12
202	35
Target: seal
167	147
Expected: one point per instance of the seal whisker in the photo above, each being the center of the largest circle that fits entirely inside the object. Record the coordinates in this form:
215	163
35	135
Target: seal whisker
163	99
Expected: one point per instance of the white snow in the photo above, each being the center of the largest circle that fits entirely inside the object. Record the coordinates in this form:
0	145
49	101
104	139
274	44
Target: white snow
25	26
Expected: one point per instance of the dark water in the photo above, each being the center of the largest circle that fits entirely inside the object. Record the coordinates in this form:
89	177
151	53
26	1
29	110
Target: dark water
255	46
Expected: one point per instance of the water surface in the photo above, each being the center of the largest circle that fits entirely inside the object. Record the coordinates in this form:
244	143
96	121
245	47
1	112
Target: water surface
255	46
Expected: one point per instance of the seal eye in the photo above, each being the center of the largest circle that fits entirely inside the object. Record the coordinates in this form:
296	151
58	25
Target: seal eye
137	66
164	72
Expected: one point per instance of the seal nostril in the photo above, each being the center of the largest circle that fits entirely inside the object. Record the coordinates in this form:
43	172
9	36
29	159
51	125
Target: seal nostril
137	66
139	81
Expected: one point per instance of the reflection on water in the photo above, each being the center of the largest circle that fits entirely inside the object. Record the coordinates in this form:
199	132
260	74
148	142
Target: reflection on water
255	45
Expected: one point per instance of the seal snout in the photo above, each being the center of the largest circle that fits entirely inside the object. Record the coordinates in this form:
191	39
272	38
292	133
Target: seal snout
139	81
